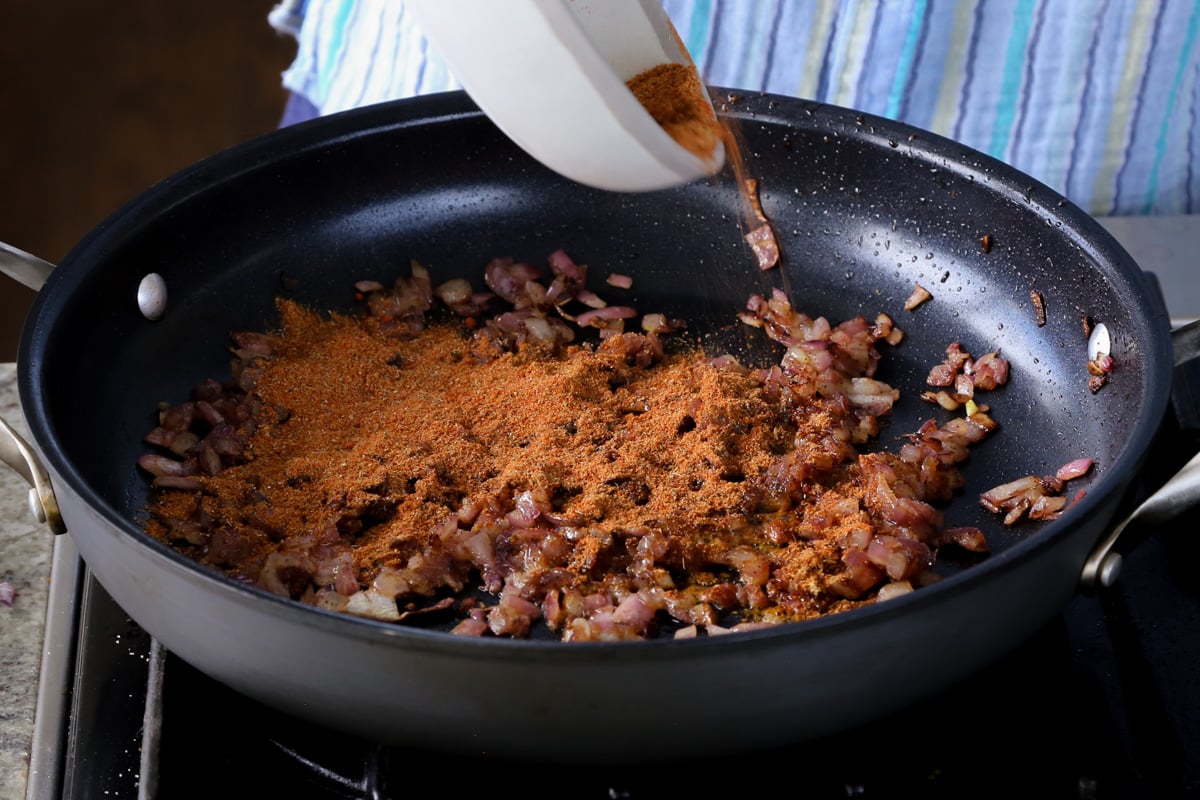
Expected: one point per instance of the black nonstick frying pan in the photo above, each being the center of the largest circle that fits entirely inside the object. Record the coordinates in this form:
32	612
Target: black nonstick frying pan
864	208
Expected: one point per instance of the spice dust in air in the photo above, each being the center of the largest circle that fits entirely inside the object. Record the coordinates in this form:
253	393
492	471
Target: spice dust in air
754	221
675	98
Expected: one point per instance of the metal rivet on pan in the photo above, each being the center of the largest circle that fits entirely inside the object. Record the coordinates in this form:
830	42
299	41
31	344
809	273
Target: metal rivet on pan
1099	343
152	296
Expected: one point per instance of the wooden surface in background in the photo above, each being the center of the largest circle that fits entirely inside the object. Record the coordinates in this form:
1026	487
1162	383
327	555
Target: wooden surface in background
102	100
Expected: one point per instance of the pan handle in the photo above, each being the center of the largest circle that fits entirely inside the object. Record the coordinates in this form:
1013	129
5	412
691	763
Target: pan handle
24	268
30	271
1177	495
15	452
1185	341
1173	498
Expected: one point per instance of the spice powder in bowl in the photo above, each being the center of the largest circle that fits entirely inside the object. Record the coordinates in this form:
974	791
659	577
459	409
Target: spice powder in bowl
674	96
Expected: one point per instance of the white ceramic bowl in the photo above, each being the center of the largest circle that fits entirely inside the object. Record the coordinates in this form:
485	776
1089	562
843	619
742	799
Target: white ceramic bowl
552	75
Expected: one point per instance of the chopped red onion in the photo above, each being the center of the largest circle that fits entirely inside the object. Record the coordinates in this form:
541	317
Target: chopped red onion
919	295
1074	469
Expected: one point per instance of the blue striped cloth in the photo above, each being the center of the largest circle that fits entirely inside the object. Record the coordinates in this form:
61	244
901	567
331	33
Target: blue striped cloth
1096	98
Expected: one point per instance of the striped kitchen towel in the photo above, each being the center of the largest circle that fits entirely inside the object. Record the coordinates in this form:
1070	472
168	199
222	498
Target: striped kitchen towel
1096	98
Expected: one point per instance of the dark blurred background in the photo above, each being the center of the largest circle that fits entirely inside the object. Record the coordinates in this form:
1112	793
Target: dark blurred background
102	100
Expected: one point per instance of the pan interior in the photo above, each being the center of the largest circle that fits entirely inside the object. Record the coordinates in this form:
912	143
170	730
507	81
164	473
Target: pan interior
863	210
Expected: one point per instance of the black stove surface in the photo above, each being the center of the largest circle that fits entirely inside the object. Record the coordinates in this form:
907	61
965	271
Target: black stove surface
1104	702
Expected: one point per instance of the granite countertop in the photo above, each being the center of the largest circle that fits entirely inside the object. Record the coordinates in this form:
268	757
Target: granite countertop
25	554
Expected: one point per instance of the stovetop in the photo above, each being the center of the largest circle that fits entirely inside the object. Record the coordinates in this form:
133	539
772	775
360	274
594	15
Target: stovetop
1104	702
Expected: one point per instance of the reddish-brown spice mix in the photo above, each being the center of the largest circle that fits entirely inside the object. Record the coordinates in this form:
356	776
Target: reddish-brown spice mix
442	424
356	419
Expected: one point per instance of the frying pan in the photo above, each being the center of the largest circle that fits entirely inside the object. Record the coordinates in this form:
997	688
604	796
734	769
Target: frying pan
864	208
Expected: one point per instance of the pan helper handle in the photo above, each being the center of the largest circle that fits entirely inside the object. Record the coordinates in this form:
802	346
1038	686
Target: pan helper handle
1179	494
32	272
15	452
24	268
